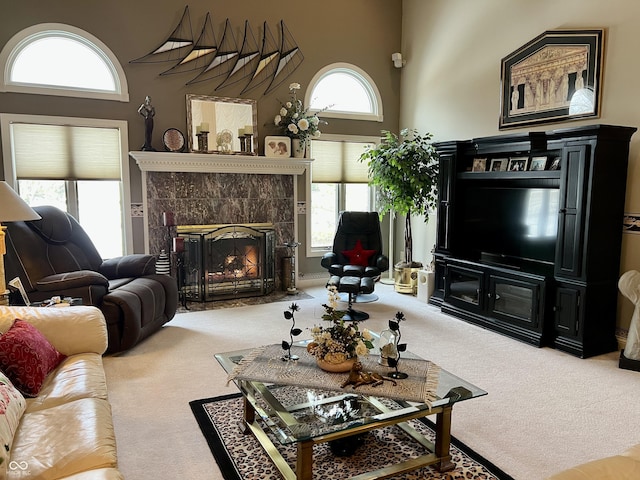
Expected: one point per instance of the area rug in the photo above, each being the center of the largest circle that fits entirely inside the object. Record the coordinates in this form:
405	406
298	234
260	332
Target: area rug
240	457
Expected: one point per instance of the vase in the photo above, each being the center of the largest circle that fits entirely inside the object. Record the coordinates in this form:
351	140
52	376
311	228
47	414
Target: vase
336	367
163	264
297	148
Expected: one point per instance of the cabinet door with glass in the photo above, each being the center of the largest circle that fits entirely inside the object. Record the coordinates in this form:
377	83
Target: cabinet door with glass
519	301
464	287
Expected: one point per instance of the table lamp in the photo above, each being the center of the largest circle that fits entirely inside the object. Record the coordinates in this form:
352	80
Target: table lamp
12	209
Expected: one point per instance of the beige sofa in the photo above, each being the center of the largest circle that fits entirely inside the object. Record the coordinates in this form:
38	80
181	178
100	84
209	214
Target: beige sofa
66	432
625	466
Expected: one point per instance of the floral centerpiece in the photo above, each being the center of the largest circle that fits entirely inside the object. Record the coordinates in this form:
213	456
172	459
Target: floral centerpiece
295	119
338	345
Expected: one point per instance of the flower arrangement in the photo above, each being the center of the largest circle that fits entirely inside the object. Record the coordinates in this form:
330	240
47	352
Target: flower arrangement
295	120
340	341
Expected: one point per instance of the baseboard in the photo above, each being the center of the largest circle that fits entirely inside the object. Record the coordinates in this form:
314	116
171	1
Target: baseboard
312	279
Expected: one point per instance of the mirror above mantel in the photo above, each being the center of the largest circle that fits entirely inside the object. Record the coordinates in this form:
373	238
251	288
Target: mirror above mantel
224	118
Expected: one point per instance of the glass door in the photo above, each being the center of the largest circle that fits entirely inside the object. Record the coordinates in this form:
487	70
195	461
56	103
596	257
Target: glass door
517	301
464	287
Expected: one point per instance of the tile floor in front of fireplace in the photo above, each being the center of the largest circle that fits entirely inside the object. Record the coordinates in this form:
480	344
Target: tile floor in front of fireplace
277	296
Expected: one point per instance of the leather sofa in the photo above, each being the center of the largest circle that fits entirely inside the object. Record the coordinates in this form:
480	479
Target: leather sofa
625	466
66	431
54	256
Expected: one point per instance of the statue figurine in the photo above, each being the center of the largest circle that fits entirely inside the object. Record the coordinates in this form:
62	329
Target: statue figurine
629	286
148	112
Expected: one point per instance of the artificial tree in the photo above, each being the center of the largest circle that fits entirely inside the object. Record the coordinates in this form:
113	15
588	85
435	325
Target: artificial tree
405	171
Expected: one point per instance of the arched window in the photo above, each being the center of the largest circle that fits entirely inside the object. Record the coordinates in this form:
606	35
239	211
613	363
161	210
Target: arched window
57	59
346	91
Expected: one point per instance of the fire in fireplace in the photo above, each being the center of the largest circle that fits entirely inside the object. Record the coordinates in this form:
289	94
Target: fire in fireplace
218	262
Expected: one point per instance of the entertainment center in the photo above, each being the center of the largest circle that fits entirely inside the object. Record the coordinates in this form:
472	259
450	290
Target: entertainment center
529	234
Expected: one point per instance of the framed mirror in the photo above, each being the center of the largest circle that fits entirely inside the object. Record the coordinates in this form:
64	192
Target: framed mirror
224	118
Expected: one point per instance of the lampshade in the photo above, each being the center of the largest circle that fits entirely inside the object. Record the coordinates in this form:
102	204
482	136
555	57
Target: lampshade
12	207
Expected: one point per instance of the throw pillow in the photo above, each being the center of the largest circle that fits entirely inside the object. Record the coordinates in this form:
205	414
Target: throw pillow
358	255
12	406
27	357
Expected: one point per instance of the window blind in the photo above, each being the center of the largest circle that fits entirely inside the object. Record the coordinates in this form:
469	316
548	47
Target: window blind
338	162
64	152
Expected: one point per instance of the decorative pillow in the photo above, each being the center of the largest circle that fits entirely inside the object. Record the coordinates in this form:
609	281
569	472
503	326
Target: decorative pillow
27	357
12	406
358	255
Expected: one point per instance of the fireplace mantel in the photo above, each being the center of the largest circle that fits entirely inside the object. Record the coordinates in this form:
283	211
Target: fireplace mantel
218	163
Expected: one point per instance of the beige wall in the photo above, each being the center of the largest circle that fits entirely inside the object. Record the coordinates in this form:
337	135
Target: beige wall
361	32
451	83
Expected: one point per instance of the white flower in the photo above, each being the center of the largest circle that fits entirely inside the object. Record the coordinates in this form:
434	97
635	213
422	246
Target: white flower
288	105
314	120
316	133
295	115
361	349
293	128
277	120
283	112
366	334
303	124
294	86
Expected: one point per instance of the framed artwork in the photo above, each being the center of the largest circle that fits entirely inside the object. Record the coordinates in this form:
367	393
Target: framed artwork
555	77
538	163
277	146
555	164
479	165
173	140
499	164
517	164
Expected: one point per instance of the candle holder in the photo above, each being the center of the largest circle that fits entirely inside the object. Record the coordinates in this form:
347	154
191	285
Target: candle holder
246	143
203	141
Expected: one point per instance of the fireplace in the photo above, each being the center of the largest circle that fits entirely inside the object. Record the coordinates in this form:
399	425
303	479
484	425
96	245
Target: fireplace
217	262
203	189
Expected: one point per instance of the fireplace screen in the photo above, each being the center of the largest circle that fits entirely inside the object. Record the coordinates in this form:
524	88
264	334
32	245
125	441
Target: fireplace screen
226	261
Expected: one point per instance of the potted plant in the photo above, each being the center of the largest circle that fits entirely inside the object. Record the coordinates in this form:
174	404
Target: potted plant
405	171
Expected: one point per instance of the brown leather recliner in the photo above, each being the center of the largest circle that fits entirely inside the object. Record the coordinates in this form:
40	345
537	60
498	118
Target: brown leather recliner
55	257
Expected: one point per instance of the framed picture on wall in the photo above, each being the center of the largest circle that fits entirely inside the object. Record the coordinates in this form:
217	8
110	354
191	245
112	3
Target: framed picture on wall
275	146
555	77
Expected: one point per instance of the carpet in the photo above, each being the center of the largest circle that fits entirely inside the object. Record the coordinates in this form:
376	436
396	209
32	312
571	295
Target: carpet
240	457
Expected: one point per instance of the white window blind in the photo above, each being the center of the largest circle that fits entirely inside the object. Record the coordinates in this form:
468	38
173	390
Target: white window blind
66	152
337	162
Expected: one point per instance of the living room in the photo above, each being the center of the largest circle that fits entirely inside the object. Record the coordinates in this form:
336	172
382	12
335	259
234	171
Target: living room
449	85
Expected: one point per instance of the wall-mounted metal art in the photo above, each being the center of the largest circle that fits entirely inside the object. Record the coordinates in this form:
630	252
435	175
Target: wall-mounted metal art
256	62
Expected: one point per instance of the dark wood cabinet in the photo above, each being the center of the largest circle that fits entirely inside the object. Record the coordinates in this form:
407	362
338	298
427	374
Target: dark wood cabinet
534	253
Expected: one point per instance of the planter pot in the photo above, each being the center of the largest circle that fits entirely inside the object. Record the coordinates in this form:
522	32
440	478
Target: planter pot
406	277
336	367
297	148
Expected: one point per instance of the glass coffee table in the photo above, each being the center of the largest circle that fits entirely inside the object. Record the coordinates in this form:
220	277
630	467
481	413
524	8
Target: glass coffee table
292	414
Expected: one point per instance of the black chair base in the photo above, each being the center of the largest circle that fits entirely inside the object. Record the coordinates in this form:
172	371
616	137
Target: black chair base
353	286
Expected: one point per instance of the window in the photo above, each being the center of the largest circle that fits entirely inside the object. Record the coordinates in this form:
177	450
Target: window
56	59
344	91
78	165
339	182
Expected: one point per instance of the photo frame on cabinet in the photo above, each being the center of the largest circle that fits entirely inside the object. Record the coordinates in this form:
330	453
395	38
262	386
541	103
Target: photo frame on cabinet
479	165
555	77
275	146
538	163
555	164
499	165
518	164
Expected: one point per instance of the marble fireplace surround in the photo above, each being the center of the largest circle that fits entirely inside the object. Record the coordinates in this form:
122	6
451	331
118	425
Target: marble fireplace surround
204	189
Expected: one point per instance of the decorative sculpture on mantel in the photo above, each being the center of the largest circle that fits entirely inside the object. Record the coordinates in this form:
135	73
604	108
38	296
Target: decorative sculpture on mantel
148	111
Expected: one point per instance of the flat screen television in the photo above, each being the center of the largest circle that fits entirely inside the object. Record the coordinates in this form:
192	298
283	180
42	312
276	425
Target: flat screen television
508	225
